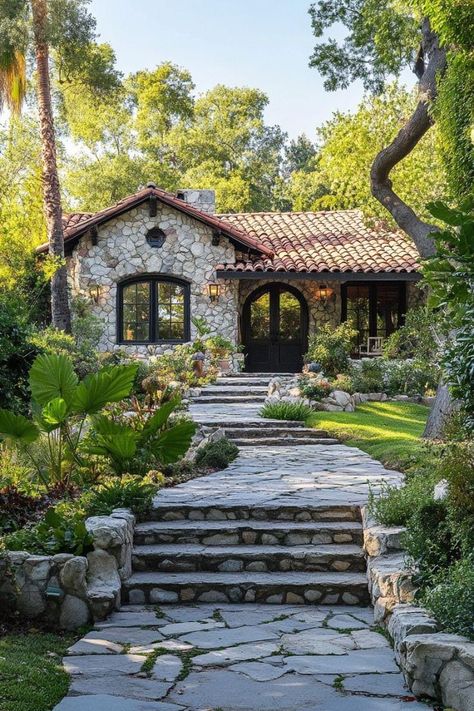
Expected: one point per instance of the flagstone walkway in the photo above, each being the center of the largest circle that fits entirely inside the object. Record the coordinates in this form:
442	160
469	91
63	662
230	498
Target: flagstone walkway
246	657
235	657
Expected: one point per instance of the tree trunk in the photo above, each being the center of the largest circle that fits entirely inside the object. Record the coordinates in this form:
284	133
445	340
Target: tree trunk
381	185
442	408
60	313
403	144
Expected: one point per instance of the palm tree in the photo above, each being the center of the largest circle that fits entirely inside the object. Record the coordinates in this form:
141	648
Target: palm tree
12	93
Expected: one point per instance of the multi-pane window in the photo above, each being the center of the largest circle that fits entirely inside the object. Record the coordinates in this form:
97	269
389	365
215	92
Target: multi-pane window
153	310
375	309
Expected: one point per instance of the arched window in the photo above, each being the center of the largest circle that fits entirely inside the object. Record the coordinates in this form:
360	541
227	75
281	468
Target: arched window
153	309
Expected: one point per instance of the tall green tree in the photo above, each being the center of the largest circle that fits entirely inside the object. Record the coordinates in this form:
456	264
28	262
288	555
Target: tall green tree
228	145
122	139
382	39
339	176
21	205
37	28
152	128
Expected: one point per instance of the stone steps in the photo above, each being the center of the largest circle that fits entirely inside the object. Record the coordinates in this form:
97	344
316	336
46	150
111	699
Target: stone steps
234	533
228	399
263	432
330	588
235	389
214	511
226	559
247	376
243	382
258	424
279	442
219	548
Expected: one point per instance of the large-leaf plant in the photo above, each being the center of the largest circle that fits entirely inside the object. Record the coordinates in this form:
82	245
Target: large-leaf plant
155	441
61	404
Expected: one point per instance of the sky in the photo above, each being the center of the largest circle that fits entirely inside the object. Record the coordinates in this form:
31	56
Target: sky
264	44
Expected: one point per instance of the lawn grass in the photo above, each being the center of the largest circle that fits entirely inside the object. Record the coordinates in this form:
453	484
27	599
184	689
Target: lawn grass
31	674
388	431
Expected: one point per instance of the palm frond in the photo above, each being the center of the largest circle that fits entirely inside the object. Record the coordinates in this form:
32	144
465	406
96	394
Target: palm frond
12	80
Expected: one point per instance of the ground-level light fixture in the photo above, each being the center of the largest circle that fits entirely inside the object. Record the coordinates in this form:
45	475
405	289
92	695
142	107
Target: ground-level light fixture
214	291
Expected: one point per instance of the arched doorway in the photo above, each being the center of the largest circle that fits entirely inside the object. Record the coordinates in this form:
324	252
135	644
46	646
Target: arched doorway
275	329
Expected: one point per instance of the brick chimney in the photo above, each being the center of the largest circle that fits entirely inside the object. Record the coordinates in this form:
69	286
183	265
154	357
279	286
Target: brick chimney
204	200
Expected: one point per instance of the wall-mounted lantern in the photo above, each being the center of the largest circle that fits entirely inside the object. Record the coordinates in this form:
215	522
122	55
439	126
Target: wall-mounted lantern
323	292
94	292
214	291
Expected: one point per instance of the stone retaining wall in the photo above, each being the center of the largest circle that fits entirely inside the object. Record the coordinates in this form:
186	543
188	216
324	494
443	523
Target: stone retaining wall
69	591
435	664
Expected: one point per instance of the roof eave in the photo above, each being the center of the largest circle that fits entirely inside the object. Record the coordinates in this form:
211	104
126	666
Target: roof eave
320	276
237	237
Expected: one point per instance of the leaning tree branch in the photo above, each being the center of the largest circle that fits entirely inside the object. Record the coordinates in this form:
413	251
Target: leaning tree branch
403	144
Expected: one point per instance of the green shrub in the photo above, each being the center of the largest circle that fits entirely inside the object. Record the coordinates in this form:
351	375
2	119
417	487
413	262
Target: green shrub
216	455
429	541
451	599
50	341
16	355
410	377
458	363
367	375
314	387
62	530
286	411
343	382
394	506
457	467
331	348
126	492
181	471
415	339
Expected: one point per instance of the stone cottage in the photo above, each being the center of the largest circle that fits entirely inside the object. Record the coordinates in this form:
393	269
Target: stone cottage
264	280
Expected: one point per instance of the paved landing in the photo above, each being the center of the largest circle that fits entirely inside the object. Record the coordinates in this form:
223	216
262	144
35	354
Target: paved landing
235	658
307	475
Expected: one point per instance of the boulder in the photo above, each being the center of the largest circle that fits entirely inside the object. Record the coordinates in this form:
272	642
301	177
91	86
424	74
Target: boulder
103	583
73	575
74	613
341	397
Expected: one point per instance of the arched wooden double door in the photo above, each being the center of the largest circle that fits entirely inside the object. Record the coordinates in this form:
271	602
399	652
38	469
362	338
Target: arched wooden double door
275	329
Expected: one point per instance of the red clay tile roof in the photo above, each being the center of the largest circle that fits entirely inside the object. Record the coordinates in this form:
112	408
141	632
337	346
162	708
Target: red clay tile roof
332	241
78	223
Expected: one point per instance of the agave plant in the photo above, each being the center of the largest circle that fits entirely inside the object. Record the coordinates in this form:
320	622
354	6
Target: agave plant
61	404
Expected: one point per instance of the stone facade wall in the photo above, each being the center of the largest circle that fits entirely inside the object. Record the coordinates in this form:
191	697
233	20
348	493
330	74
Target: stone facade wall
66	590
435	664
122	251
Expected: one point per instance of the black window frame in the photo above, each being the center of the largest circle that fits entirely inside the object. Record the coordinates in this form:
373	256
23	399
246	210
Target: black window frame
153	280
373	286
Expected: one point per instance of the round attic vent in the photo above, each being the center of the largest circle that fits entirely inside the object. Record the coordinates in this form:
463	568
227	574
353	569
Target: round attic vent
155	237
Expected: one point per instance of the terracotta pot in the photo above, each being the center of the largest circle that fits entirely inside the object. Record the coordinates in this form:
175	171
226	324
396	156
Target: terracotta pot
198	367
224	365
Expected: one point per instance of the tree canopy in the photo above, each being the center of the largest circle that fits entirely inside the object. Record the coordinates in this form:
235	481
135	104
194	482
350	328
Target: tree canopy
340	174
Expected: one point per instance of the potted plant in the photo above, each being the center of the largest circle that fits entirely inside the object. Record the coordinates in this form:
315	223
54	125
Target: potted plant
221	350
